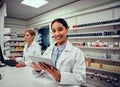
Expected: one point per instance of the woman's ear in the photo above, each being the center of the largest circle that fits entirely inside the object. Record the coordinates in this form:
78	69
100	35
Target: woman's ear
33	37
67	29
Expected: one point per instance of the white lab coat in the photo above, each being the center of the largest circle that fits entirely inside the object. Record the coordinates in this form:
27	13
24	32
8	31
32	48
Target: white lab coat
71	65
33	50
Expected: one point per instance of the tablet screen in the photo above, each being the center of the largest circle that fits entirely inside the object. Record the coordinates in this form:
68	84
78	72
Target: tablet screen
41	59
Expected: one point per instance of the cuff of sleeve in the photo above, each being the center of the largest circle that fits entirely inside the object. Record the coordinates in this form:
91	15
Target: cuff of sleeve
18	59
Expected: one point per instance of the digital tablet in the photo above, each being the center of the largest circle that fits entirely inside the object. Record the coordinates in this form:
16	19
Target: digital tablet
41	59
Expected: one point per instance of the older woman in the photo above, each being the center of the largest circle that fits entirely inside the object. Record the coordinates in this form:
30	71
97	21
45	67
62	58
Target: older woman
31	48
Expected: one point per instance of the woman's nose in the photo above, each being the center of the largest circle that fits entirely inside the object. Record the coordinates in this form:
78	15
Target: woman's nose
56	33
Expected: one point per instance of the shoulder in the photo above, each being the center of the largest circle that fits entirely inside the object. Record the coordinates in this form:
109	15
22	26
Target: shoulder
35	43
73	49
25	44
70	47
77	50
50	48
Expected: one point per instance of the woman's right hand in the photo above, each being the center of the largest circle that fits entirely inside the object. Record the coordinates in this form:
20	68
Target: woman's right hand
36	66
13	58
21	64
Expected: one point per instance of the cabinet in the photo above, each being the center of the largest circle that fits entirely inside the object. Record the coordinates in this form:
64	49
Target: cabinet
100	42
14	45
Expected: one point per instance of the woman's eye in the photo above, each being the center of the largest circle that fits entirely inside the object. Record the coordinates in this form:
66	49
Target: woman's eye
26	35
60	29
53	31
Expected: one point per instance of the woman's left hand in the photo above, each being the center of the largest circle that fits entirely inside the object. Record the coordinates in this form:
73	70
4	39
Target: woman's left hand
20	64
52	70
36	66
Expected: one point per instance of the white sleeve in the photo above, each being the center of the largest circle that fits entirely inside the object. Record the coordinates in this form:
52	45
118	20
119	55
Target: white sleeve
36	74
19	59
5	57
37	51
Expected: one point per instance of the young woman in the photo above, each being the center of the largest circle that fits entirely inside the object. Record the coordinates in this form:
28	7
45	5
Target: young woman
31	48
69	61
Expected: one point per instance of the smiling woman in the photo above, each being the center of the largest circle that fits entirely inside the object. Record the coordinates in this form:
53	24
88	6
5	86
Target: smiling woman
59	31
68	60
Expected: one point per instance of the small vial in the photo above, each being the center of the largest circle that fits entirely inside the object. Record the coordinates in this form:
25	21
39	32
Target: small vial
116	44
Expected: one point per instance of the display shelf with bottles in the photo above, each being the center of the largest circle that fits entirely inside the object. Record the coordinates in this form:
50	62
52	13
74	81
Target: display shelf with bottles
100	79
98	24
107	74
103	65
15	45
100	42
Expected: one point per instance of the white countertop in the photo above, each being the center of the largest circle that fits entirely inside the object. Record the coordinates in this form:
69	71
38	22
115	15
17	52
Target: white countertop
23	77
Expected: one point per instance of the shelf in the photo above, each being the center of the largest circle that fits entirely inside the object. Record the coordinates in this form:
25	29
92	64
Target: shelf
14	34
76	33
9	34
103	25
20	35
16	56
15	45
15	40
103	70
16	50
105	59
88	37
99	40
102	48
98	83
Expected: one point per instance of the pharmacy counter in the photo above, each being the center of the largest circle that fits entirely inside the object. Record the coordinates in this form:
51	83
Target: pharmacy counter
22	77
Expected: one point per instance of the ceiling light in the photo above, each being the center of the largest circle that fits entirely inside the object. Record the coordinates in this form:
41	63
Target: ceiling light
34	3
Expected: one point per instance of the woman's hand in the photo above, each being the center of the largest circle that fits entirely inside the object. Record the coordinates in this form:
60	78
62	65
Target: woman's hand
52	70
20	64
36	66
13	58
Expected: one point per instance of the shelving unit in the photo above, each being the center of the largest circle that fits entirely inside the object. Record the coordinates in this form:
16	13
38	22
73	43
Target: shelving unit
111	36
15	45
100	42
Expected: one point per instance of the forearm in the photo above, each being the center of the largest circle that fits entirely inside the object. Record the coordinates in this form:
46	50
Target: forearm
57	76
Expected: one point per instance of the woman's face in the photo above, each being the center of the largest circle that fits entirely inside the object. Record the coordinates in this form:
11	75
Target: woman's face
59	33
28	37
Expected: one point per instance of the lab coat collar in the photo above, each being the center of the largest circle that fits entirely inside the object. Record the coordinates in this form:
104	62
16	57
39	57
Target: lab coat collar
67	48
32	45
64	54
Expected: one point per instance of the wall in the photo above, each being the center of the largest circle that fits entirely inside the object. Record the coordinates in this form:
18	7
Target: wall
2	15
83	11
15	24
71	10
